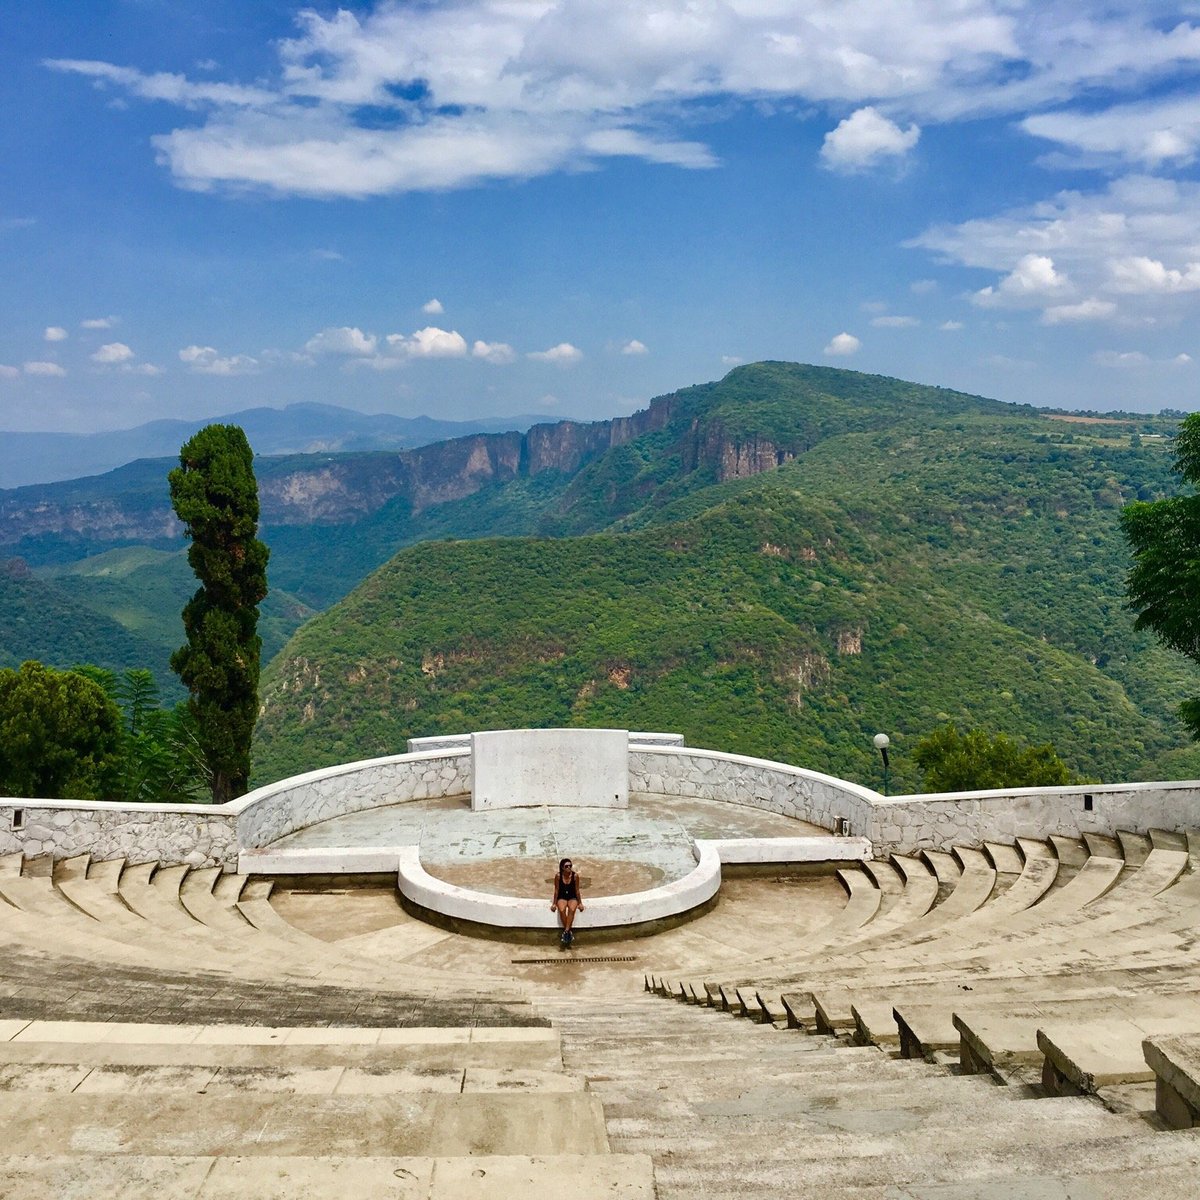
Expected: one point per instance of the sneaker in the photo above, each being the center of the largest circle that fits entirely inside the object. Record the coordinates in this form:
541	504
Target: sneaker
568	938
562	941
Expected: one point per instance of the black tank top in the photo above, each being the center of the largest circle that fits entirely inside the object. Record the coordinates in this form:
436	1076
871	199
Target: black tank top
567	891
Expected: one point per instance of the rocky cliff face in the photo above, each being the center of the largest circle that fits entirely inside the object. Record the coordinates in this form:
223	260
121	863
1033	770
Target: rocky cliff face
132	504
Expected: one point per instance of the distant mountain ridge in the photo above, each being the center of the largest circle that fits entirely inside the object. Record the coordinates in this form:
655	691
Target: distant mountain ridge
306	428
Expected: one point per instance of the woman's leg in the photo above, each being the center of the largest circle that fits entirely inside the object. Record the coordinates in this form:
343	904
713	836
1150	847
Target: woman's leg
562	915
568	909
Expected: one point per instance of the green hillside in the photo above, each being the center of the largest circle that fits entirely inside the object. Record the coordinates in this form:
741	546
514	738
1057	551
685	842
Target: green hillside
918	555
118	609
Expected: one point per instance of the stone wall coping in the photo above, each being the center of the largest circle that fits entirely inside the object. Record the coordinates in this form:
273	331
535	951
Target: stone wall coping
1072	789
194	810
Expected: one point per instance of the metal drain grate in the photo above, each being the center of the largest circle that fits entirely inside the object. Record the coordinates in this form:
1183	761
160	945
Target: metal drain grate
565	958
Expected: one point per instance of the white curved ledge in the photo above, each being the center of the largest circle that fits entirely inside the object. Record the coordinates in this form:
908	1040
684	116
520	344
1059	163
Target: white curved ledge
512	912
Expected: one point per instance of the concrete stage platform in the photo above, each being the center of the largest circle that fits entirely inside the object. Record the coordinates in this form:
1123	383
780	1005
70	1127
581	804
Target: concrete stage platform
515	851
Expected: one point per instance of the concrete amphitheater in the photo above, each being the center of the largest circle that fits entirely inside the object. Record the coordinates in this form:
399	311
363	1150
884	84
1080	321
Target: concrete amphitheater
904	998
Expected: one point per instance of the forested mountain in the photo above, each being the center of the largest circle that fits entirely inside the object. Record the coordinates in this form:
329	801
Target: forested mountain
783	562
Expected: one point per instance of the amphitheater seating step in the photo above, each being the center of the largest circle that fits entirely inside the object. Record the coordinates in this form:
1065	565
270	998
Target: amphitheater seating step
481	1177
1175	1062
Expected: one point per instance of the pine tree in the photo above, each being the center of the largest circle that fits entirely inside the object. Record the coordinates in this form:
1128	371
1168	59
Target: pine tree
215	495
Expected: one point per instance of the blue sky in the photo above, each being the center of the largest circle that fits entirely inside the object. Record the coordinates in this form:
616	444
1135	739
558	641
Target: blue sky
530	206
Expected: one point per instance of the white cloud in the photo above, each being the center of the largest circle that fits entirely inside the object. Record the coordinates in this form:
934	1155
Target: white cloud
430	342
205	360
323	255
98	323
1114	358
842	345
1086	310
562	355
485	89
633	346
923	287
1138	238
113	352
143	369
1150	133
346	340
895	322
44	368
1140	275
950	326
7	372
1182	360
731	360
866	138
1031	281
175	89
55	333
499	353
433	308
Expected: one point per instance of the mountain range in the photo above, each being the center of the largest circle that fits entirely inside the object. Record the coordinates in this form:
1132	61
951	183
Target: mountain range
783	562
294	429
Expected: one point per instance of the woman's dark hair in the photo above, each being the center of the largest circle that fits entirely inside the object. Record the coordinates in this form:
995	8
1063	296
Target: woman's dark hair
562	862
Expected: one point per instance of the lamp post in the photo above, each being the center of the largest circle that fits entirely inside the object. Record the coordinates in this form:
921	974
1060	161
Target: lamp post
882	742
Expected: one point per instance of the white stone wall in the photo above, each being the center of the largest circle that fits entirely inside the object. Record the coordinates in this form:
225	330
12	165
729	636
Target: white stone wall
196	834
271	812
904	823
754	782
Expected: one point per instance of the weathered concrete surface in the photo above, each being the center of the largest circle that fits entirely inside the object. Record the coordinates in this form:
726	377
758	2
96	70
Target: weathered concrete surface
564	768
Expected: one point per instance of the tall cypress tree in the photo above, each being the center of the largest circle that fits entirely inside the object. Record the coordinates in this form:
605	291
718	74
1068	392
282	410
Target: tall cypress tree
215	495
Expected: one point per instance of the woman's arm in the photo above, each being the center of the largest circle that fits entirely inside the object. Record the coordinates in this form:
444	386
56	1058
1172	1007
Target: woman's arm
579	890
554	898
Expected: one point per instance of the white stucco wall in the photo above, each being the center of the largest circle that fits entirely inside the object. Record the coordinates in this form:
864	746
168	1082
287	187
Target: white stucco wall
563	768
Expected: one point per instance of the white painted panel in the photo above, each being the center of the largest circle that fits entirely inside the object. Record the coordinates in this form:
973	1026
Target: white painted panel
515	768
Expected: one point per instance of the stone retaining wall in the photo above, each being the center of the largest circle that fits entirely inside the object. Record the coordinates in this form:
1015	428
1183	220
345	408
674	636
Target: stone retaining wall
206	835
199	835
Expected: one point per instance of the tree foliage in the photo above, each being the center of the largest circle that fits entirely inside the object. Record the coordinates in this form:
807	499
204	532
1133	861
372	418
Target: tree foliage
215	494
973	761
159	760
1164	583
60	735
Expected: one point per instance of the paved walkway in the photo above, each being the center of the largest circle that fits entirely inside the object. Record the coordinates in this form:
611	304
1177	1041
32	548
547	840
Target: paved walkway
515	851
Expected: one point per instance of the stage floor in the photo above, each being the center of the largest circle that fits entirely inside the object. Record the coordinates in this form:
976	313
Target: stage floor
515	851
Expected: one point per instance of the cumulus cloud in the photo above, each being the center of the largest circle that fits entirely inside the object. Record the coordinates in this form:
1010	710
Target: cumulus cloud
346	340
7	372
731	360
1031	281
205	360
1141	275
923	287
633	346
98	323
950	326
55	333
866	138
562	355
433	308
498	353
1135	240
113	352
895	322
1086	310
480	90
430	342
842	345
50	369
